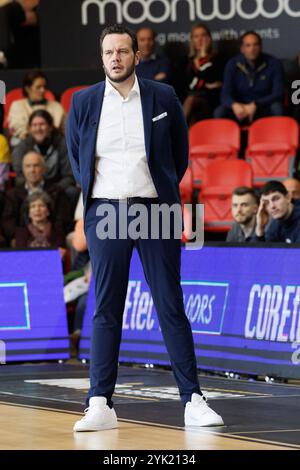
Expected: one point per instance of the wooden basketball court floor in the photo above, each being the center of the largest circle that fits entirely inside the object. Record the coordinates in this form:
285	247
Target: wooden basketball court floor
39	404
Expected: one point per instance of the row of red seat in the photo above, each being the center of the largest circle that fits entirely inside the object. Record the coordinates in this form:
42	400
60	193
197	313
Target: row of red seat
216	171
271	151
17	94
220	179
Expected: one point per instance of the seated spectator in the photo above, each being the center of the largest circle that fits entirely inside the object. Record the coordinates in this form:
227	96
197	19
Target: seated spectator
28	37
34	88
204	76
12	16
33	171
253	83
276	203
151	65
292	186
5	160
40	230
244	209
45	139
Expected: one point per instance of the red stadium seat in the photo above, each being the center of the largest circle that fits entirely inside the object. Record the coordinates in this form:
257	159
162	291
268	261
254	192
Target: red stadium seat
17	94
272	147
220	179
212	139
65	99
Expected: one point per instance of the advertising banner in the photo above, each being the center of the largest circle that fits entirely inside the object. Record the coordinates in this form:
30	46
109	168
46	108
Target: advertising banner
33	319
243	304
70	29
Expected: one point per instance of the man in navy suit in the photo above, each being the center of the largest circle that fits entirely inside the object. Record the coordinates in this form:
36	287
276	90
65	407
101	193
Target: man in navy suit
128	144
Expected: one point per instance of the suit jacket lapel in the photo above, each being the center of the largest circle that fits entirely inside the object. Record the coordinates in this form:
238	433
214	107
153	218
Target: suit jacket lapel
147	97
96	100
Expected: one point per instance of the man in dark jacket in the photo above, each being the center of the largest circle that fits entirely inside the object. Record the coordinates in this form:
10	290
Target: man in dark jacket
44	139
275	202
33	170
253	85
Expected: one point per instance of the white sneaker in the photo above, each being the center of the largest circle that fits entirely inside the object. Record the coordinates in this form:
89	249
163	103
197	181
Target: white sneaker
198	413
98	416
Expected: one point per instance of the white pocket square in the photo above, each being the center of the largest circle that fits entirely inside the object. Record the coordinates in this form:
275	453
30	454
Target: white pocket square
160	116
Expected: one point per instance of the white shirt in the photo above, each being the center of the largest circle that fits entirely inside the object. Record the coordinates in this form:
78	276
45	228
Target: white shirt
121	168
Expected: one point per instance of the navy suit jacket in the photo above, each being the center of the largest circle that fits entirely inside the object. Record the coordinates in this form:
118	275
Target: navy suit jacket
166	139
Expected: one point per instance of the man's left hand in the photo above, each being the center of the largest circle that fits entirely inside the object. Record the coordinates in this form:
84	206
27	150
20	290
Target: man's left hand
250	110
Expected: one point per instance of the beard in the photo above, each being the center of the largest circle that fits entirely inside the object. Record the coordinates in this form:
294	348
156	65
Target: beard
244	220
123	77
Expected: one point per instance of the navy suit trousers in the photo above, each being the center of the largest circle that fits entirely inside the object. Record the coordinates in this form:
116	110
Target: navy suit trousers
160	259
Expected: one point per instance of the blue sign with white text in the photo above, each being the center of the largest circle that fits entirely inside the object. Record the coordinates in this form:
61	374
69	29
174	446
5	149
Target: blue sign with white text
33	320
243	304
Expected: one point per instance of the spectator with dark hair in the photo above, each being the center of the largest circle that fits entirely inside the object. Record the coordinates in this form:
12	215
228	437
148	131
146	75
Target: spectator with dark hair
204	76
253	83
292	186
46	140
34	89
276	204
244	209
151	65
33	171
40	231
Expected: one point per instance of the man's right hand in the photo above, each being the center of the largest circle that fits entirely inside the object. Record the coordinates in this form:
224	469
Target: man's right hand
262	218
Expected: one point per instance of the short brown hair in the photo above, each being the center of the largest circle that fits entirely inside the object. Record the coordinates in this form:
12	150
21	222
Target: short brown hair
243	190
250	33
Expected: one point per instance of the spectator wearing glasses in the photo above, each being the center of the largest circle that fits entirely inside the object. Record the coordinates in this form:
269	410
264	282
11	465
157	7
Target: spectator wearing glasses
33	171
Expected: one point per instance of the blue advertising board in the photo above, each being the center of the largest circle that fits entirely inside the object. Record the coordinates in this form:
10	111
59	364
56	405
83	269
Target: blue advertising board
33	320
243	303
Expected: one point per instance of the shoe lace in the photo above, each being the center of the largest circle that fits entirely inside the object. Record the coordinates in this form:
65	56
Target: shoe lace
202	401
